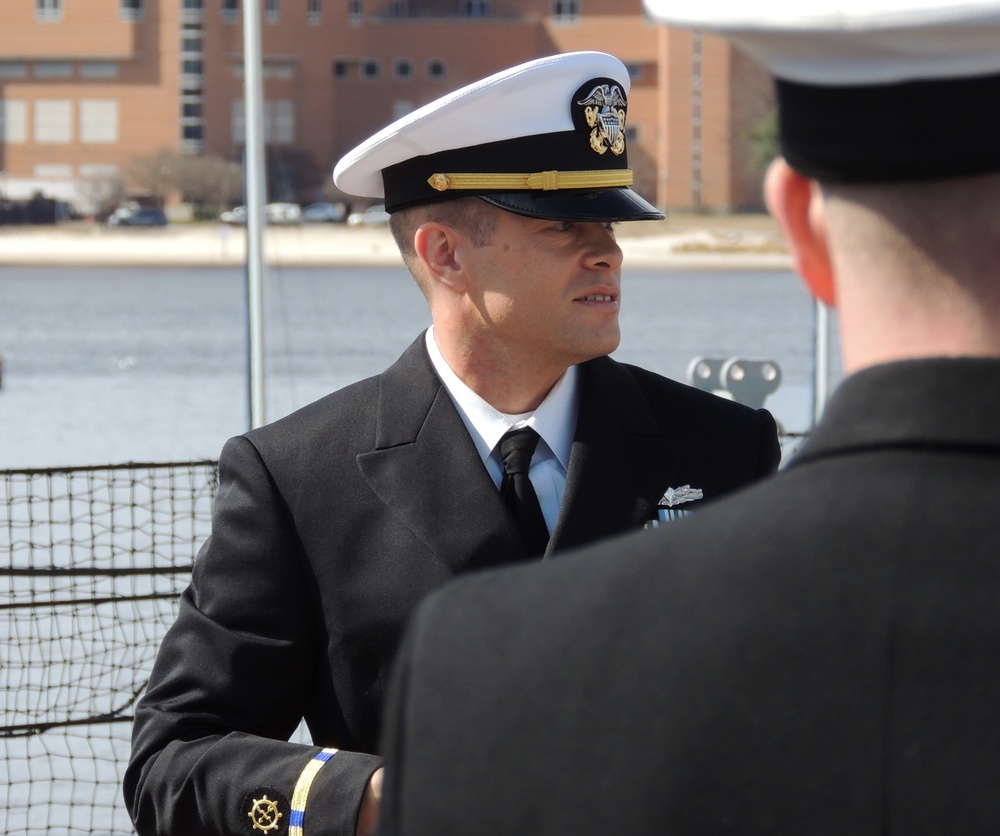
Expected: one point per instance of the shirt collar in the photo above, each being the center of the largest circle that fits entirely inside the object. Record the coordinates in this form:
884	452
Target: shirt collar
554	420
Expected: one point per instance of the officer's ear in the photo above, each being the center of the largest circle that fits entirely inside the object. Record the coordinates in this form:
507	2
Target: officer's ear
798	206
436	245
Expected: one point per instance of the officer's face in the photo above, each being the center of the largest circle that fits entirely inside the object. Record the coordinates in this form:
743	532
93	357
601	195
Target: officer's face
550	290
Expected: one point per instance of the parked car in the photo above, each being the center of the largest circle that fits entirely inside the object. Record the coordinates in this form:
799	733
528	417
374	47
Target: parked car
333	213
237	215
372	216
138	216
277	214
283	214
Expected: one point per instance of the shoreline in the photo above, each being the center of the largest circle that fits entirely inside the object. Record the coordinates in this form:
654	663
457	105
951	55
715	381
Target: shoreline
723	242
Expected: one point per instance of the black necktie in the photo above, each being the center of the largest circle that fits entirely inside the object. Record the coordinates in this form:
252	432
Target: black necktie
516	449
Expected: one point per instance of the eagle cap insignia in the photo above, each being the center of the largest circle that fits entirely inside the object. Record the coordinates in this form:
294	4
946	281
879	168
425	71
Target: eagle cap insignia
678	496
599	108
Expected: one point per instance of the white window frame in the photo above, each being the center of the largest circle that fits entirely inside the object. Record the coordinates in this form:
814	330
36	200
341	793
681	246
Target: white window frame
131	11
48	11
98	121
53	121
398	64
13	121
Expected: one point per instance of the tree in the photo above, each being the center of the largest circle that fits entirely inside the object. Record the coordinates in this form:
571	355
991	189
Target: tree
762	139
209	183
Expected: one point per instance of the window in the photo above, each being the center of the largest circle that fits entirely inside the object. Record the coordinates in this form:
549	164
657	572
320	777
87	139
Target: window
192	66
635	71
130	11
191	42
279	121
98	69
193	11
13	121
341	69
97	170
278	118
191	110
230	10
436	68
192	132
271	11
475	8
566	11
371	70
402	69
354	11
53	121
53	69
53	170
98	120
13	69
48	11
315	11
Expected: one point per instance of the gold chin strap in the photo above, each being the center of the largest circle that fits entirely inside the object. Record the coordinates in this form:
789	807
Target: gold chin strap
538	181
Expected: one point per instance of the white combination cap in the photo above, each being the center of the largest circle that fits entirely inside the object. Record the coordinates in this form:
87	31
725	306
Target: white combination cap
870	90
544	139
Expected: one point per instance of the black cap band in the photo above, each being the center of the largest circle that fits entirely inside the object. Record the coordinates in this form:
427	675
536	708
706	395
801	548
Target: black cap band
917	130
406	183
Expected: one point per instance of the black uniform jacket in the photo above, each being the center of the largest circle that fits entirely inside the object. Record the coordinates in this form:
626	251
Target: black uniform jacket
328	527
818	654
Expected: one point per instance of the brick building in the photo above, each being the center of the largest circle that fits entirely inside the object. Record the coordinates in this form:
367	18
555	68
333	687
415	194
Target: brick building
86	86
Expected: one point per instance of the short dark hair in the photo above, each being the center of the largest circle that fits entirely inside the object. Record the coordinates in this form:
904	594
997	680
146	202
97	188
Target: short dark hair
472	216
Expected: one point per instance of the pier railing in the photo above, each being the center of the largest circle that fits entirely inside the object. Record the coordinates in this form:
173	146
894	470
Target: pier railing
94	560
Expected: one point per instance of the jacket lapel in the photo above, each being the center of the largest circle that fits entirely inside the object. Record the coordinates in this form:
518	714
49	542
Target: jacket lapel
426	469
619	463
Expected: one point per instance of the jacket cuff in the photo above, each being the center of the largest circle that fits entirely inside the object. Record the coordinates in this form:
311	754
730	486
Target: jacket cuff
334	796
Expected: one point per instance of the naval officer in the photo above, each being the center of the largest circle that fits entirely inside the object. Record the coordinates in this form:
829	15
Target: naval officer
817	654
504	433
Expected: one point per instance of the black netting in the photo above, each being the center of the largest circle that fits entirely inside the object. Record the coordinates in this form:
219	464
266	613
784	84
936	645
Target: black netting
94	560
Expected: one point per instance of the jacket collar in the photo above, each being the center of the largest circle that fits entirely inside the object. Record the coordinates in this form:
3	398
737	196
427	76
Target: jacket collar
936	401
461	518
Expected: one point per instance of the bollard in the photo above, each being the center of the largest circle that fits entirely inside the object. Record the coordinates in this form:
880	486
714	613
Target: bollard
739	379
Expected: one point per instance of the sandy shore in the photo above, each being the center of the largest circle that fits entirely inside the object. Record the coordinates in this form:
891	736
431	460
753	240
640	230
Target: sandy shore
724	242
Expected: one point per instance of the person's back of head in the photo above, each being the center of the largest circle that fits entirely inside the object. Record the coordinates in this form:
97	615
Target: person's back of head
887	188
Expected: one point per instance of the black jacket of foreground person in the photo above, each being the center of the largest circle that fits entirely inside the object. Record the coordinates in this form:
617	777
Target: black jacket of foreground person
329	526
815	655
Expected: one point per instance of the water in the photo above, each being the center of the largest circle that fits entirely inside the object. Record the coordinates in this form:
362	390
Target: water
108	365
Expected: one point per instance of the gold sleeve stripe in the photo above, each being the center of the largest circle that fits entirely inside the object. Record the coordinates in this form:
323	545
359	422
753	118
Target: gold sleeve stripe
539	181
297	815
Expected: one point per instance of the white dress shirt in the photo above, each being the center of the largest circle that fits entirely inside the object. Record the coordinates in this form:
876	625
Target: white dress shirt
554	420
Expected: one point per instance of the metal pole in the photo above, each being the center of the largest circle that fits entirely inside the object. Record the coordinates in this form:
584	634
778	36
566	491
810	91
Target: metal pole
256	199
821	358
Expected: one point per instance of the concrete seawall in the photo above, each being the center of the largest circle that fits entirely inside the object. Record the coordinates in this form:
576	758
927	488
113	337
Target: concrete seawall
712	244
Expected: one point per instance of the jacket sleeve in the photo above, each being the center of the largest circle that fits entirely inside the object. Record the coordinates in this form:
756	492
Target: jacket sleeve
233	679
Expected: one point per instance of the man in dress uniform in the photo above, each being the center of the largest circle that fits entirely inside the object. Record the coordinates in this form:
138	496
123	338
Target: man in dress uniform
503	433
818	654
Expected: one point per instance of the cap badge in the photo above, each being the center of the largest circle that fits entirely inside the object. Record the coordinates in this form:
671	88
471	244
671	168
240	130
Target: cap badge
604	110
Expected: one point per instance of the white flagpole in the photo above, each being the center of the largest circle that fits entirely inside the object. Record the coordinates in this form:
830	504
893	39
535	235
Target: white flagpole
256	199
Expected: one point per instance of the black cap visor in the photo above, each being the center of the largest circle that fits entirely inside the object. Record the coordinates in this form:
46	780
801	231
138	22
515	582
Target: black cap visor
603	206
